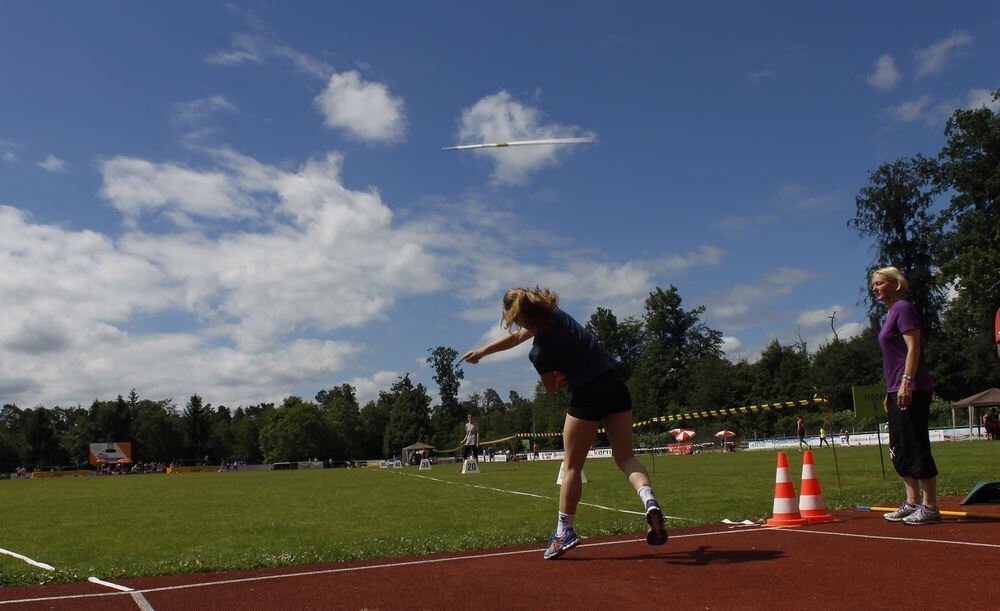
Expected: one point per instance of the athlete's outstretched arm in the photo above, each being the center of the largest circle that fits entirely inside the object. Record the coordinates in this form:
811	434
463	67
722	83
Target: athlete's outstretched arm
498	345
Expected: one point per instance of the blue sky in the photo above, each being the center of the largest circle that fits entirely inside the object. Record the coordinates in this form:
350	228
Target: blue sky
248	200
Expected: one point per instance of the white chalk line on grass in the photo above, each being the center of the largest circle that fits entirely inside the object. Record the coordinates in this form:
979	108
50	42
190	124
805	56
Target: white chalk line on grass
108	584
139	599
389	565
41	565
537	496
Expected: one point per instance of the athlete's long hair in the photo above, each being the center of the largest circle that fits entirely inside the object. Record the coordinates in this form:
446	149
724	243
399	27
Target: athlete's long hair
528	308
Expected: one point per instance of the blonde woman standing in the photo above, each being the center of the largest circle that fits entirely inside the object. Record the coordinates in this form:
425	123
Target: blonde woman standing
909	386
566	353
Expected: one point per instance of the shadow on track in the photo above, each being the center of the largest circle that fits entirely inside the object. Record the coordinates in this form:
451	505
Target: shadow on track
701	556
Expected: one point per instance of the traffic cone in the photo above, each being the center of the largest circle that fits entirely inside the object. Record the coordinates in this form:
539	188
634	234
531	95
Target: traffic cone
811	501
786	508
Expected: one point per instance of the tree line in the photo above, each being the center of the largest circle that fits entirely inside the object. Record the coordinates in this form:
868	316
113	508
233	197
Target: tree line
936	218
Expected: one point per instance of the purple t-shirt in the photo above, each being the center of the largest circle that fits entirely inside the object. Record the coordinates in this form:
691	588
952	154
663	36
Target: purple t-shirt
902	317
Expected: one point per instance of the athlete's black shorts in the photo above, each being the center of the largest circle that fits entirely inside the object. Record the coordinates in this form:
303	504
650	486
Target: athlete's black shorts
909	441
605	394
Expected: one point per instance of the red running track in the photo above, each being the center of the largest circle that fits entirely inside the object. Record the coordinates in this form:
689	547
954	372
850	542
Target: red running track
859	561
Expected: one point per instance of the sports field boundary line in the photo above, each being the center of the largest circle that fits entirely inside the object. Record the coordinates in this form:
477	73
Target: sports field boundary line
41	565
349	569
537	496
389	565
885	538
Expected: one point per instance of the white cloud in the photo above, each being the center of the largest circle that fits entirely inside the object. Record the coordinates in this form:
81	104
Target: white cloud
745	305
934	59
743	226
813	318
7	152
196	111
136	186
246	48
731	345
276	255
911	110
977	98
759	76
850	329
501	118
886	75
367	389
53	164
364	109
798	198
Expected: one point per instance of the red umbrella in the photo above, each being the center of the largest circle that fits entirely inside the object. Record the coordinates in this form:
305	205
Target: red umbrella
725	434
125	461
682	434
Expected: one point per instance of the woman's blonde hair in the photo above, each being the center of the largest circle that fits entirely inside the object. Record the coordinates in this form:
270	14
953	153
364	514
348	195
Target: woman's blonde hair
528	308
894	274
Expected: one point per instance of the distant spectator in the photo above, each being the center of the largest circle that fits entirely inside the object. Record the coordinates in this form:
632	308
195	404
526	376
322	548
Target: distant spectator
822	437
800	428
471	440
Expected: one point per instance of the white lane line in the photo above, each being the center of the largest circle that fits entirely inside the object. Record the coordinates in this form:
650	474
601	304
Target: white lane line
537	496
389	565
350	569
910	539
141	601
41	565
469	557
108	584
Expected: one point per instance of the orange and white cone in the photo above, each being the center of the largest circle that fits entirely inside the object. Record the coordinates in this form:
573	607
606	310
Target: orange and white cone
786	508
811	501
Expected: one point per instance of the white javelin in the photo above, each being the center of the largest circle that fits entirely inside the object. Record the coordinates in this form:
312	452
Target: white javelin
488	145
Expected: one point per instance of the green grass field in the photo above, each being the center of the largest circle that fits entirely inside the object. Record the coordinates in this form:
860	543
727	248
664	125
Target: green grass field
116	527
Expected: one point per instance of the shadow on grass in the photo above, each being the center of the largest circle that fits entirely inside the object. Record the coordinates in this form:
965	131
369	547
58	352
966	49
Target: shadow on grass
701	556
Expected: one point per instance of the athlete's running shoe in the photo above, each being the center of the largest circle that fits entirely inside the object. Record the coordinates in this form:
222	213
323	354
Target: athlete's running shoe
904	510
923	515
657	534
559	545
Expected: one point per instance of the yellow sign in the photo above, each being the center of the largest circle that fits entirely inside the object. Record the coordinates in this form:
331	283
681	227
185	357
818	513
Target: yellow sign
868	399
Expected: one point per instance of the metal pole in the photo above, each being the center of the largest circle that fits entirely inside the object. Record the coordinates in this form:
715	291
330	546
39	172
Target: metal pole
878	435
833	446
652	449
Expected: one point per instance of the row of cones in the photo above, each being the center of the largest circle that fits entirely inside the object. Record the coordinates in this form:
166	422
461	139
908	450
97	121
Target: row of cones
786	509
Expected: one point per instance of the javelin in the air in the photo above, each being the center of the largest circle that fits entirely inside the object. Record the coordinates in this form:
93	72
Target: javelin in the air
489	145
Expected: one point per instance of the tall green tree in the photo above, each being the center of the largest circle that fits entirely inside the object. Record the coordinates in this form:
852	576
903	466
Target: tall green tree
42	443
675	339
340	404
409	416
296	431
623	340
894	210
158	433
448	375
969	254
197	424
374	419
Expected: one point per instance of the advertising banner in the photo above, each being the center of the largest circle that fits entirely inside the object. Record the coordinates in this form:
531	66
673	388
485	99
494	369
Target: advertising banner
111	453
